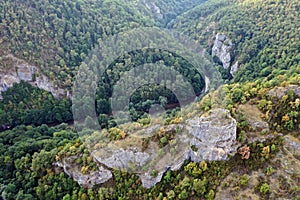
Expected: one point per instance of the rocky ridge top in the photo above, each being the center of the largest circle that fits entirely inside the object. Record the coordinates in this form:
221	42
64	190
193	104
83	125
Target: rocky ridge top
210	137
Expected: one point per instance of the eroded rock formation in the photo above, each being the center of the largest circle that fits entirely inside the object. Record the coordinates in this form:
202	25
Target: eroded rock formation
223	48
88	179
19	70
209	137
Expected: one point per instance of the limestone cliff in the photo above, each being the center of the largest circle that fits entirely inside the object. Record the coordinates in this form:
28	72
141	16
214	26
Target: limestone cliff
88	179
151	5
223	48
19	70
210	137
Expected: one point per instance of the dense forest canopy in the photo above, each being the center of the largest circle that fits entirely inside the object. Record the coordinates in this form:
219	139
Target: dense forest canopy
265	33
58	35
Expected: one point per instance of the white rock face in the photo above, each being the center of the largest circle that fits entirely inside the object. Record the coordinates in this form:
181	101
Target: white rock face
222	48
214	136
22	71
154	8
234	68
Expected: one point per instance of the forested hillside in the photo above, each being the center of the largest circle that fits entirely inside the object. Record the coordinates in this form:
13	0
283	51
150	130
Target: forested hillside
43	157
58	35
265	33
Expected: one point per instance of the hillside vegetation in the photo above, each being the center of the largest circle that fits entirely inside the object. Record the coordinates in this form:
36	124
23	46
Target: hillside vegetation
265	33
58	35
263	98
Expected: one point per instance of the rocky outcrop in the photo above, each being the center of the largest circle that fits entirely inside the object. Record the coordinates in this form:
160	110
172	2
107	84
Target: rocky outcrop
149	180
154	8
279	92
209	137
22	71
121	158
86	180
214	136
223	48
234	68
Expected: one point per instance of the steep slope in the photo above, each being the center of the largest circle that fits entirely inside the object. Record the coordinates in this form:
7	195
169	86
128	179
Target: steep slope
57	35
53	163
265	34
47	51
65	33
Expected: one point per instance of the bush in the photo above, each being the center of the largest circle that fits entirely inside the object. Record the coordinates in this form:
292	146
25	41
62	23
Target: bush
200	186
210	195
264	188
244	180
237	95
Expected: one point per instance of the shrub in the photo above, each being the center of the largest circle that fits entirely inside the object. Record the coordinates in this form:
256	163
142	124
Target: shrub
210	195
264	188
200	186
244	180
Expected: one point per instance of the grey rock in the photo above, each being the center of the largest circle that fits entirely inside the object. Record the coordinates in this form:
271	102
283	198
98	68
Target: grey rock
25	72
223	48
22	71
214	135
289	156
88	180
220	37
6	82
149	181
279	92
292	144
169	161
234	68
259	125
121	158
154	8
